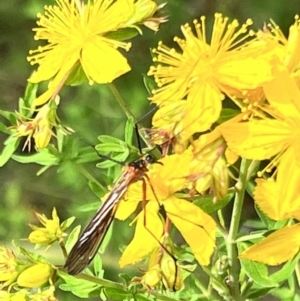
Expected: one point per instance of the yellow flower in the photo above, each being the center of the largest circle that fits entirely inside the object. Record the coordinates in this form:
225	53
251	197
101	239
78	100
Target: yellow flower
8	267
76	34
275	138
196	80
166	179
51	232
35	276
273	250
287	49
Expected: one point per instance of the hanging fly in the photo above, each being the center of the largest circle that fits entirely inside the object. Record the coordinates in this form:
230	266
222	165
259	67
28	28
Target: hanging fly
87	245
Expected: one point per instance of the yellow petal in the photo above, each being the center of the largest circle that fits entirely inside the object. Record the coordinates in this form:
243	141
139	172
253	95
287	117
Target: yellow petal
204	104
146	239
197	227
277	248
53	62
257	139
101	62
288	102
266	196
288	178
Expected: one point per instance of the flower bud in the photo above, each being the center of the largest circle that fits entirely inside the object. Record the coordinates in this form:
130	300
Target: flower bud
172	277
35	276
8	266
51	232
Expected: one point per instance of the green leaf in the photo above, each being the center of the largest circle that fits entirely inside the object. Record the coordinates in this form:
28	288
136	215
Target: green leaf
72	238
42	158
258	272
29	97
286	270
112	147
254	294
79	287
116	294
67	223
11	116
96	188
265	219
109	139
149	83
122	34
98	266
77	76
284	293
11	144
208	204
32	256
129	129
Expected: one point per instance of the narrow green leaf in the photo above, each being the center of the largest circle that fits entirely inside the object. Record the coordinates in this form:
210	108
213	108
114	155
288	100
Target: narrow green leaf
258	272
67	223
29	97
111	147
77	76
149	83
129	129
11	144
254	294
79	287
122	34
284	293
109	139
98	266
96	188
116	294
208	204
42	158
72	238
286	270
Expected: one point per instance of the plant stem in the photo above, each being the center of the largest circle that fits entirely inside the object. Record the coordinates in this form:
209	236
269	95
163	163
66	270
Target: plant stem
90	177
121	101
234	264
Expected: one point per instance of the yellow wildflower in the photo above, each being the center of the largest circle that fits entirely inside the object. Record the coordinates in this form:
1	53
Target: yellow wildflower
272	250
51	232
166	179
286	49
76	34
275	137
35	276
199	77
8	266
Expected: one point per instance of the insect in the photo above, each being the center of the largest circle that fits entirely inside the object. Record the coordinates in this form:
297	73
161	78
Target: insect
86	247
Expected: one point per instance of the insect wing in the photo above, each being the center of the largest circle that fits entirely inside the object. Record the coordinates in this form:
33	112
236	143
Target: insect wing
85	249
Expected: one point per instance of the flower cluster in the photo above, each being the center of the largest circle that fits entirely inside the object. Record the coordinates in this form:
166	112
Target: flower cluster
32	277
259	72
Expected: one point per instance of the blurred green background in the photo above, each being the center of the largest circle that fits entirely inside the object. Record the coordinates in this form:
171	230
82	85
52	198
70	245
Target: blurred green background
92	111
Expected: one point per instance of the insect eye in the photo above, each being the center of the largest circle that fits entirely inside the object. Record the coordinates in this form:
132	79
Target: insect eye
150	159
